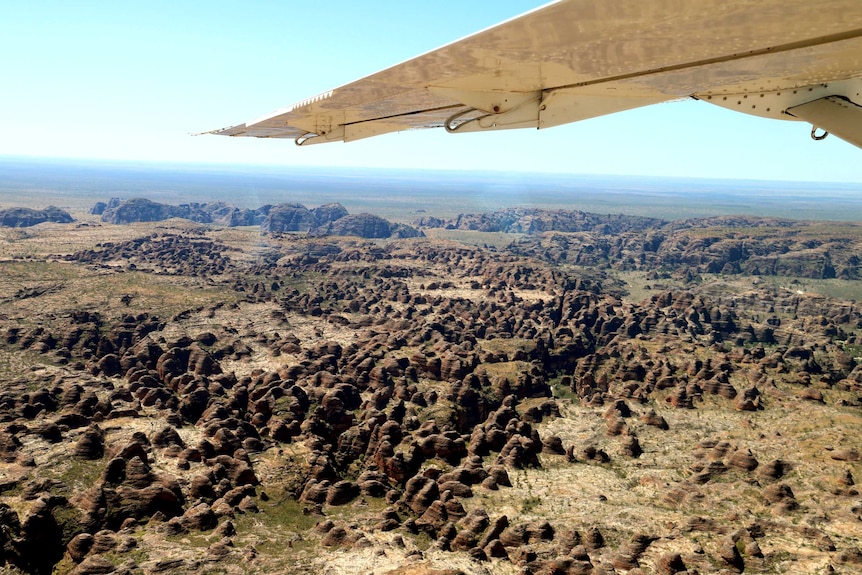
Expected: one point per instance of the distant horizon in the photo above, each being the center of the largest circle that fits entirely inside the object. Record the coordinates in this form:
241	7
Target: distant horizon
399	193
286	168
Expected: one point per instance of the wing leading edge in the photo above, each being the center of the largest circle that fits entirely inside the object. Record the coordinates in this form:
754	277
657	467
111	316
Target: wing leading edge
576	59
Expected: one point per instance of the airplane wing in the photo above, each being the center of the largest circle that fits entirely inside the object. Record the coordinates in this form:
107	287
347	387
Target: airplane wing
576	59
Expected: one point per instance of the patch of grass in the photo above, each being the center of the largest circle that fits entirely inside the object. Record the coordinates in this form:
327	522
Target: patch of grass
168	295
834	288
854	350
37	271
474	238
68	518
509	369
66	565
440	412
20	365
423	541
79	474
561	391
640	288
279	532
530	504
278	517
304	282
508	346
193	540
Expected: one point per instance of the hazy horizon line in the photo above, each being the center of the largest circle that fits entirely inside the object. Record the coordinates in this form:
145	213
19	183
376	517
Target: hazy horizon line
305	168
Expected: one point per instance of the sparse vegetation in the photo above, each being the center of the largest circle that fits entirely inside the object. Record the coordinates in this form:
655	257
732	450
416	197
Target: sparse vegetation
309	380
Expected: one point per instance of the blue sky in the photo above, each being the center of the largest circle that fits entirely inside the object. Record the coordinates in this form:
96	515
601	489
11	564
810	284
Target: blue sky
131	80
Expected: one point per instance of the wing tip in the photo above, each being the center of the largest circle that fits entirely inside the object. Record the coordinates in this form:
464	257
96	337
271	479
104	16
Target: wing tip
237	130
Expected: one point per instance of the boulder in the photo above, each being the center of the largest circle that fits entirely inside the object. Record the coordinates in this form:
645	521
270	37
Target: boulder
342	492
419	493
91	444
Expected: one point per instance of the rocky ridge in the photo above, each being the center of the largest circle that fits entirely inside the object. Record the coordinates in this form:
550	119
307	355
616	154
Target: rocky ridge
536	220
121	212
735	245
326	220
27	217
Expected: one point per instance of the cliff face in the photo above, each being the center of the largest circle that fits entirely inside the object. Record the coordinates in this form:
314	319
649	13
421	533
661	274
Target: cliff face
26	217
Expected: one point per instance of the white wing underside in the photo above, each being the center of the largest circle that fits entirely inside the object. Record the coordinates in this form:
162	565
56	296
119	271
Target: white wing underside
576	59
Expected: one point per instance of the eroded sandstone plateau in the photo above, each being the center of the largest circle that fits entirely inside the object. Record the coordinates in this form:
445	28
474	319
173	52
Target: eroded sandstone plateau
187	398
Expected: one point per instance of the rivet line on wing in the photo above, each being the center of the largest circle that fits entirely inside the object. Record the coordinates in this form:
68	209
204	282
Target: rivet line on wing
848	35
309	101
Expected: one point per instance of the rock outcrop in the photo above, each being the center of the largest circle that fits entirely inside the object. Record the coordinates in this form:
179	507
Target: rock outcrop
144	210
365	226
732	245
27	217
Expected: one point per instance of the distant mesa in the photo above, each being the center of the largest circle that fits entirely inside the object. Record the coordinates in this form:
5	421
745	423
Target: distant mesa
327	220
535	221
26	217
297	218
728	245
144	210
101	207
366	226
232	216
332	220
